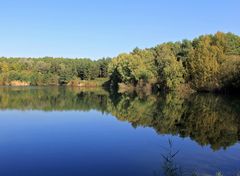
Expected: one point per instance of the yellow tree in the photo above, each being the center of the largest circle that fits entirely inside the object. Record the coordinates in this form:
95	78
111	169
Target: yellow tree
4	73
203	65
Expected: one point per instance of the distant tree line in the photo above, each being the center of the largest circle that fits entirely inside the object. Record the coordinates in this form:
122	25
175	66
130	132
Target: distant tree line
51	71
207	63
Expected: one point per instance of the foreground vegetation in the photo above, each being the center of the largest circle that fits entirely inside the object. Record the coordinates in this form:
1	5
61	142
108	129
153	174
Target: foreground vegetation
207	63
172	168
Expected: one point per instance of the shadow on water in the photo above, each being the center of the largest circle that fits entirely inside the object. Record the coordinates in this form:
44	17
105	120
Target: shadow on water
207	119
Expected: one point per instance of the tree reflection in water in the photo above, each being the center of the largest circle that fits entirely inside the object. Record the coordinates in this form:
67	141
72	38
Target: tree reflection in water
206	118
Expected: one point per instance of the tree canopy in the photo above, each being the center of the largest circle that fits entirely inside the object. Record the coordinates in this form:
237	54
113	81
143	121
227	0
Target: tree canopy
51	71
206	63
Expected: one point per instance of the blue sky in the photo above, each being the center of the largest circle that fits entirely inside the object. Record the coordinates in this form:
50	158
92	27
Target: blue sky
100	28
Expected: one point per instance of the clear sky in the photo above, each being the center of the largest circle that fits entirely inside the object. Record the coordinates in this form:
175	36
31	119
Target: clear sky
98	28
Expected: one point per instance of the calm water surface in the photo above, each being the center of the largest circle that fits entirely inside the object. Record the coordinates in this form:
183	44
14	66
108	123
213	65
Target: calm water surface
71	132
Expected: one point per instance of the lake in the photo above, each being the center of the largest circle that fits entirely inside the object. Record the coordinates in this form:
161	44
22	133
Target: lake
57	131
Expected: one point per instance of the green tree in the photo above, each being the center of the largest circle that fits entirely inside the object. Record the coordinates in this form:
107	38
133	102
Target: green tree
170	71
131	68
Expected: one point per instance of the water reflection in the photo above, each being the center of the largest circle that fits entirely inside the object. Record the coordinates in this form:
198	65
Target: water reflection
207	119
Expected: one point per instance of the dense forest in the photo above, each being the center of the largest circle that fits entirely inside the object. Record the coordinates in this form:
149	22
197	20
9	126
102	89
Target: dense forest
206	63
51	71
209	62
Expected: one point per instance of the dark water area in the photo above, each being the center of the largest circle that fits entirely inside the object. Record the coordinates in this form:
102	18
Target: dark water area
57	131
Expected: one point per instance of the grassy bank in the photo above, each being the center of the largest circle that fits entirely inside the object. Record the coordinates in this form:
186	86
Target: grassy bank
96	83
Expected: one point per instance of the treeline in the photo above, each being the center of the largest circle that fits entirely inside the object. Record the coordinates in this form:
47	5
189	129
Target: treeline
51	71
209	62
